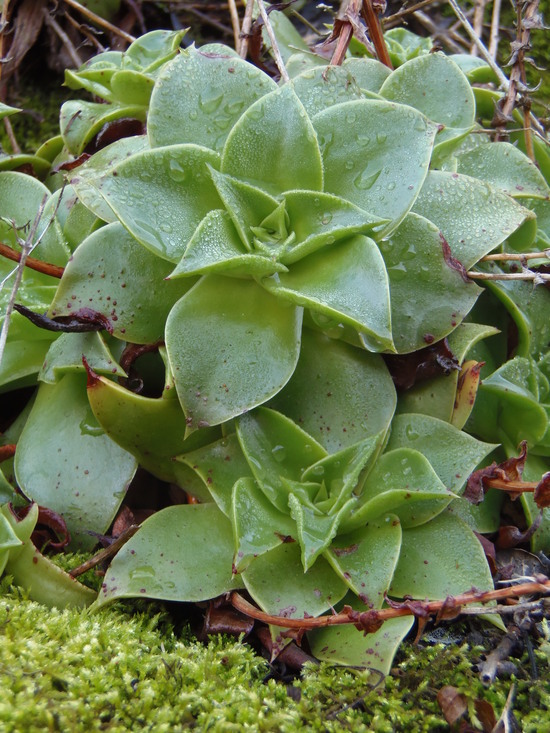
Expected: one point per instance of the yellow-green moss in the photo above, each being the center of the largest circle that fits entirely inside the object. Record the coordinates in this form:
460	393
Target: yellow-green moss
126	668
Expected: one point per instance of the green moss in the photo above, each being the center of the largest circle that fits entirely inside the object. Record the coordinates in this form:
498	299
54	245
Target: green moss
127	668
40	101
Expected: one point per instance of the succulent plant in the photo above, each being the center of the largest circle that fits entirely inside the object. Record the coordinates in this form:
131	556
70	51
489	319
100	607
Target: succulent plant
280	251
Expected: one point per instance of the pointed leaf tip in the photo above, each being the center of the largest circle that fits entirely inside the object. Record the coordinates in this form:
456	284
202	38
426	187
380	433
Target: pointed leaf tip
92	377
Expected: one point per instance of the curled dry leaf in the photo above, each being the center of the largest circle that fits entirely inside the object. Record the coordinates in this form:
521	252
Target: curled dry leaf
453	703
508	471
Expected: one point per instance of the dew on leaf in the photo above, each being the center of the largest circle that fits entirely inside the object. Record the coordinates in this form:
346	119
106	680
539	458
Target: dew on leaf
279	453
209	103
366	180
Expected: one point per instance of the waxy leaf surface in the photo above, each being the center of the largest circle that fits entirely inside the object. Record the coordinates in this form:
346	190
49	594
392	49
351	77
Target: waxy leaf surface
194	566
338	394
376	155
114	275
274	146
161	195
199	96
231	347
63	441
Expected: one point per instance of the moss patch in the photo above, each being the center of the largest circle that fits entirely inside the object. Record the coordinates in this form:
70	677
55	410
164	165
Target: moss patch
127	668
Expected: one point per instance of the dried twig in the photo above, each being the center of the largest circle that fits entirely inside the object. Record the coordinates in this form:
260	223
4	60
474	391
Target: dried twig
495	29
519	256
100	21
26	247
373	619
535	277
64	38
45	267
274	45
502	78
106	553
525	21
246	28
370	12
233	12
392	20
477	22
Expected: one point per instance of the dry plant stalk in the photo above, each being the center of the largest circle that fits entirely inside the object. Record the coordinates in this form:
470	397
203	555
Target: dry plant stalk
372	620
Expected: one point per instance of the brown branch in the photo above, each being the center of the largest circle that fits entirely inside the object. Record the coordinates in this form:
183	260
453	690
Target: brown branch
534	276
106	553
505	256
512	487
44	267
370	11
7	451
234	14
100	21
393	20
517	74
368	620
64	38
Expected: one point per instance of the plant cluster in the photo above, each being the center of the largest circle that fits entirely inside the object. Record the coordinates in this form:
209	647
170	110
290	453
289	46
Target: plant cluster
286	270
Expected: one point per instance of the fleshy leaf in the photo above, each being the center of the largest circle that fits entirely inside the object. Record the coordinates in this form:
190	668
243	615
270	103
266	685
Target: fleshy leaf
42	580
366	558
369	74
437	396
346	284
439	559
274	146
530	310
511	393
231	347
452	453
404	483
131	87
81	121
428	297
376	155
105	159
321	219
344	645
534	468
161	195
182	553
341	472
219	465
258	526
506	168
112	274
276	448
339	394
247	205
199	97
216	247
435	85
151	429
65	355
65	461
152	50
324	86
22	197
315	531
6	110
277	582
473	217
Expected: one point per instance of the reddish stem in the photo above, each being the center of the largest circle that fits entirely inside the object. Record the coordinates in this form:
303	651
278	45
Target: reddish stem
372	20
44	267
7	451
449	605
